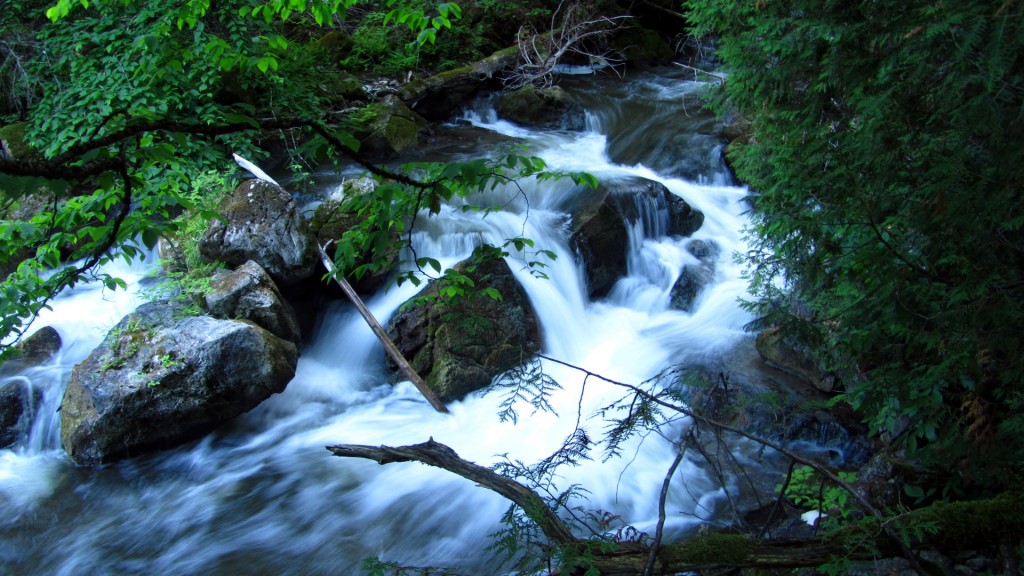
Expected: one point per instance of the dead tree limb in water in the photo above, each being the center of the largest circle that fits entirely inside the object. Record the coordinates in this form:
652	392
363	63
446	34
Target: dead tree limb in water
378	331
441	456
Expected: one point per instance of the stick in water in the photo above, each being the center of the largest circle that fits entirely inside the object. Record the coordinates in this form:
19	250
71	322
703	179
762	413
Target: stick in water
378	330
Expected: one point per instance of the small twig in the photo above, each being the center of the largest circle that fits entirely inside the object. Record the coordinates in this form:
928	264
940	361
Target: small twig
778	501
652	555
718	77
857	496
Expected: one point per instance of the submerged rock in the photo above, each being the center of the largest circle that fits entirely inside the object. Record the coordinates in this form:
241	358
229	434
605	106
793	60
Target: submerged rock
694	277
599	219
459	346
18	397
158	381
248	293
263	224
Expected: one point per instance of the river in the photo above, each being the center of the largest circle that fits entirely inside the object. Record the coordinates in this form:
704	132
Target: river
262	496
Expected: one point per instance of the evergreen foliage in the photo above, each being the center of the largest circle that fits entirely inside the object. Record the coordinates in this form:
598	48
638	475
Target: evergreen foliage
885	152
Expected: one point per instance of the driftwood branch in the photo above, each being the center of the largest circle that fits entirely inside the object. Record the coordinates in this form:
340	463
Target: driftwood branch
441	456
378	331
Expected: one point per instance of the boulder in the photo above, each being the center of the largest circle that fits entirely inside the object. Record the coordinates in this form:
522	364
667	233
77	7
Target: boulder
642	46
745	392
694	277
599	229
159	380
459	346
546	108
262	223
389	128
248	293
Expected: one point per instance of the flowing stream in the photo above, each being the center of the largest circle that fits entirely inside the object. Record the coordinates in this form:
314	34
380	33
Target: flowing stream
261	495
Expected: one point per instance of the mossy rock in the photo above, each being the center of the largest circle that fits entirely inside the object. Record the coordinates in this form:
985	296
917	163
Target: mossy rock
438	97
391	128
340	88
643	46
541	108
15	137
459	346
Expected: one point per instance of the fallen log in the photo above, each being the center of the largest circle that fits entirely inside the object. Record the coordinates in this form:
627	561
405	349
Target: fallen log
378	331
437	97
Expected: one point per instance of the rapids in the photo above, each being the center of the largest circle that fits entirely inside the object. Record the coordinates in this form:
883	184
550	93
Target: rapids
262	495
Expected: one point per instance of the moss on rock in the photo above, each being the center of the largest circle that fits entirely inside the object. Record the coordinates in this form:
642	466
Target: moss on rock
15	137
723	549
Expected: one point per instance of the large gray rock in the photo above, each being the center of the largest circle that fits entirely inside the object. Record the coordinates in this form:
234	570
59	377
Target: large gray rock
598	224
158	381
248	293
459	347
263	223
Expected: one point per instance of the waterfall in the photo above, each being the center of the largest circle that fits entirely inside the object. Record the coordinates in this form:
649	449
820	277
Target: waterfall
262	496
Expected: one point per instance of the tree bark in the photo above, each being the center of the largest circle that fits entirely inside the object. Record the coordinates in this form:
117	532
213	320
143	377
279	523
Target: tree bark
378	330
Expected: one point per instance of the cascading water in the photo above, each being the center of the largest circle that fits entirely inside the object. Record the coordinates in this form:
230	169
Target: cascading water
262	496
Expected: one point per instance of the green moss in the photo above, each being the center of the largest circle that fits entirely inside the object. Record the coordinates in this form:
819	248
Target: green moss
976	524
725	549
14	135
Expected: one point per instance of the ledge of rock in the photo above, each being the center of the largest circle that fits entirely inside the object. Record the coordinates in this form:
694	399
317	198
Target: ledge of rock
18	397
